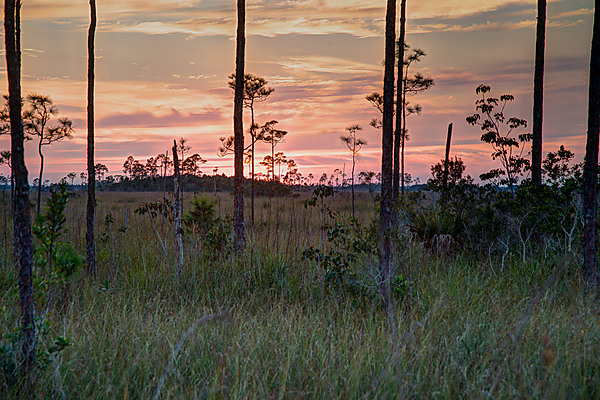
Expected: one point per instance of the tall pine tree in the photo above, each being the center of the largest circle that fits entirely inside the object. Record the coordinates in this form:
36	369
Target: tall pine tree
21	211
238	131
538	95
91	200
387	147
590	169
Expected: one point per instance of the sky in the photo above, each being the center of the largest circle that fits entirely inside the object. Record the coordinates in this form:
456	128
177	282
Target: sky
162	68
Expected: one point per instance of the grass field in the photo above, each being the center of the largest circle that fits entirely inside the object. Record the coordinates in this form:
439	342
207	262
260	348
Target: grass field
463	325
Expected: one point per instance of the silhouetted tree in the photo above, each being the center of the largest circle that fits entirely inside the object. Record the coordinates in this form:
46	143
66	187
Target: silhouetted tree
406	85
191	165
273	137
448	173
91	167
323	179
71	176
556	165
35	121
152	167
509	150
387	199
354	144
128	165
376	100
269	163
292	176
538	95
164	162
590	169
227	146
182	148
134	168
21	215
100	170
279	160
255	91
238	197
410	85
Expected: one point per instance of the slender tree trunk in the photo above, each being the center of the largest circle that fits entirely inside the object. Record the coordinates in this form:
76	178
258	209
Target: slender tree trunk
21	216
352	179
238	217
273	160
165	174
538	95
177	205
447	158
387	200
91	200
403	128
13	209
590	170
253	133
39	188
399	106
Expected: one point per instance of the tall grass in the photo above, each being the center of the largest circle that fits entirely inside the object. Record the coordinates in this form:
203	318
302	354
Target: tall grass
452	334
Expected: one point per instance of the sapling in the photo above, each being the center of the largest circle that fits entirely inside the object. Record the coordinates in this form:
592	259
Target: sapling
497	131
55	261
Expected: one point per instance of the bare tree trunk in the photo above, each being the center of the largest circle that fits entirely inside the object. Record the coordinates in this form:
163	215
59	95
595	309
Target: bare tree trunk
177	204
238	127
252	129
352	178
590	170
21	216
165	174
538	95
91	200
399	99
403	131
447	158
39	188
387	200
13	209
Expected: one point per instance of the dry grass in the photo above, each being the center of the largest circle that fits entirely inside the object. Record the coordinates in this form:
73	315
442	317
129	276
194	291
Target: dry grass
286	338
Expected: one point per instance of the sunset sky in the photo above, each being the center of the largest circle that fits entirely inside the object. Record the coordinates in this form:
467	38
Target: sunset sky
162	70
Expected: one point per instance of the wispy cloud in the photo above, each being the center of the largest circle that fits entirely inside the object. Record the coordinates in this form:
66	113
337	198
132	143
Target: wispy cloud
147	119
362	18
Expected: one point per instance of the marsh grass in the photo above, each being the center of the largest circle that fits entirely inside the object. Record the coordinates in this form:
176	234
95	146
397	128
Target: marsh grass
286	336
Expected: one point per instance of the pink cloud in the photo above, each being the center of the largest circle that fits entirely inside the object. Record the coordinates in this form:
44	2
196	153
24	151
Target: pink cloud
148	119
